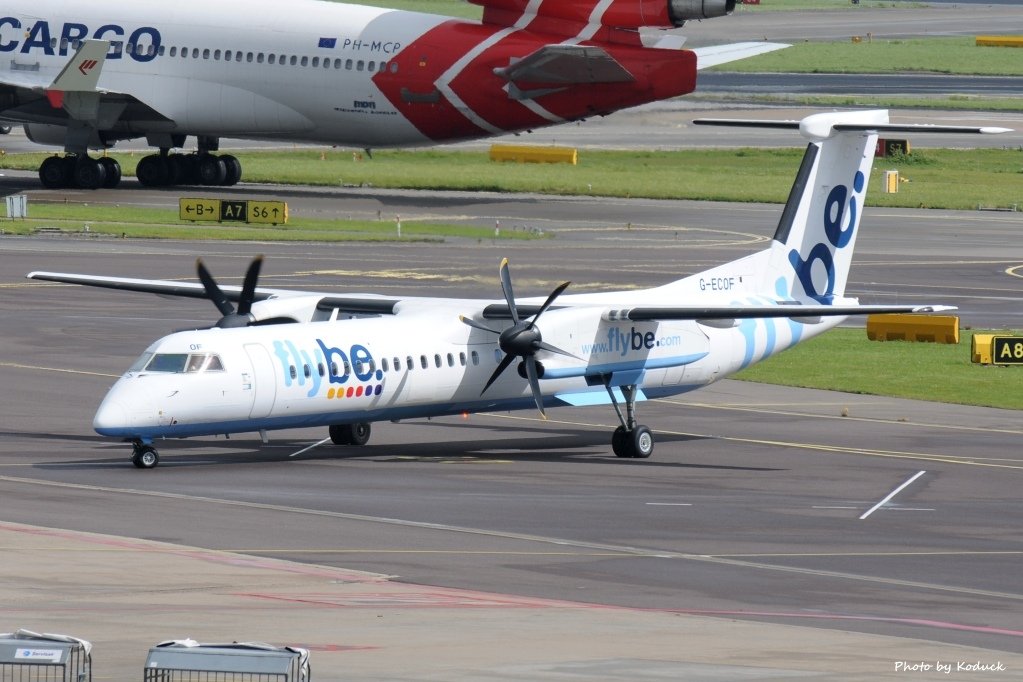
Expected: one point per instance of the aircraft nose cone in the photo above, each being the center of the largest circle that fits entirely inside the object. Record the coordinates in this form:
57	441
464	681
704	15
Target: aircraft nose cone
111	418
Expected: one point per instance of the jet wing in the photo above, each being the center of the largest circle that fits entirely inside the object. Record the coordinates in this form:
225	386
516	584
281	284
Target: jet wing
716	55
345	304
566	65
789	310
74	93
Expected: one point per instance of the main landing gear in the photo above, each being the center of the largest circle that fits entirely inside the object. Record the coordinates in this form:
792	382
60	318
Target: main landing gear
79	172
165	170
350	434
143	455
630	439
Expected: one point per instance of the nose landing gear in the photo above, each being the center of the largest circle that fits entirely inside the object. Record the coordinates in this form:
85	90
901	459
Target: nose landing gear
144	456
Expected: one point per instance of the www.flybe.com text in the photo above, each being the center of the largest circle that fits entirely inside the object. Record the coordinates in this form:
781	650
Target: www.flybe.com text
621	342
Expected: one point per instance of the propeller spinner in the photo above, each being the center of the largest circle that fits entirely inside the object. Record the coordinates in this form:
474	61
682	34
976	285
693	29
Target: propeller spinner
522	339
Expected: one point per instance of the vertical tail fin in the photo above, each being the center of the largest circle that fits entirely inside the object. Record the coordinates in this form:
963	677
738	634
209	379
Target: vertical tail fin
817	231
809	259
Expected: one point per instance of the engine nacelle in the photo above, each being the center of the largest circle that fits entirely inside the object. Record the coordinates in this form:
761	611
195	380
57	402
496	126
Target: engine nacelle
56	136
684	10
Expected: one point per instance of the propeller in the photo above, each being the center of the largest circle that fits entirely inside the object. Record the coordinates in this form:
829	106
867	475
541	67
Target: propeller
232	318
522	339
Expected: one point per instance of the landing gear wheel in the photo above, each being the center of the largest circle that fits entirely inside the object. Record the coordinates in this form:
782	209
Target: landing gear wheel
145	457
54	173
89	174
234	169
340	434
360	433
113	169
212	170
641	442
350	434
152	171
618	440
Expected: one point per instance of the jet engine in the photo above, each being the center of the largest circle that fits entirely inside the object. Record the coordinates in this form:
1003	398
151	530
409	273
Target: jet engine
681	11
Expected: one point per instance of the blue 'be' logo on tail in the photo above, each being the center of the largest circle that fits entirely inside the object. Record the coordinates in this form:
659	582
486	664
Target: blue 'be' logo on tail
838	236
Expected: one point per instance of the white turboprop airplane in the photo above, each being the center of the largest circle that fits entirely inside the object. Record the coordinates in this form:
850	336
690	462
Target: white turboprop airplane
288	359
84	75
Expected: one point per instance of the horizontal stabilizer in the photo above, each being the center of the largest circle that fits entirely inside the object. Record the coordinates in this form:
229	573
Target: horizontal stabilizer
834	124
566	65
716	55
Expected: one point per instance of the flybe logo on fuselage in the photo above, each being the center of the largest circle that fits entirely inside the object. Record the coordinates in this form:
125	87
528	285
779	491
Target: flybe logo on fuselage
351	374
40	37
839	230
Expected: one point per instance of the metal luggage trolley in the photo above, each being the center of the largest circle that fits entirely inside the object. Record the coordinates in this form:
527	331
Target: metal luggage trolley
190	661
32	657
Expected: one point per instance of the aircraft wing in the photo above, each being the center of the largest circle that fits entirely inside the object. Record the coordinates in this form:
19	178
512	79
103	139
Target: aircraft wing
162	287
499	311
716	55
74	93
794	311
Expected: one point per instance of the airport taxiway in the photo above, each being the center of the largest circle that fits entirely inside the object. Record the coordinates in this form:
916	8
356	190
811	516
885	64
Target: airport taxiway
759	507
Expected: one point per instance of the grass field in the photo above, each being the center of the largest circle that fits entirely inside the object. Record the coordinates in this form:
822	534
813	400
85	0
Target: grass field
844	360
959	55
937	178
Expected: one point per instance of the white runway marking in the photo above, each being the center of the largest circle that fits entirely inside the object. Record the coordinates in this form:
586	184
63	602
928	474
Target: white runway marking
891	495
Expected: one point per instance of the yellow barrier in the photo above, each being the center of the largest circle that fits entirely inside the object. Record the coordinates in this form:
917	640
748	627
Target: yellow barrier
928	328
524	154
999	41
980	349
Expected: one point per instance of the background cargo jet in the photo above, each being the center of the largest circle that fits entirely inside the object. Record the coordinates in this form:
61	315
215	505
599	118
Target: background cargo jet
83	75
287	359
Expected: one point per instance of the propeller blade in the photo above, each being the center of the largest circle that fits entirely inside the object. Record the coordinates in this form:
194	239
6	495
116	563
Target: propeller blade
249	286
213	290
508	359
534	384
554	349
547	303
477	325
506	287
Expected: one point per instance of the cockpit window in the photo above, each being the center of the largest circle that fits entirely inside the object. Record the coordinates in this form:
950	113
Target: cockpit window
179	362
167	362
141	363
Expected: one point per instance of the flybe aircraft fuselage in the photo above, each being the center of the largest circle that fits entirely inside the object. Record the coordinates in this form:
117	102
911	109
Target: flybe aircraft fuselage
340	371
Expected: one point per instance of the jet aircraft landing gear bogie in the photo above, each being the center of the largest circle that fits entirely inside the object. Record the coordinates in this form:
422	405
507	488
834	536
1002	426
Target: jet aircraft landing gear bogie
166	170
144	456
630	440
350	434
79	171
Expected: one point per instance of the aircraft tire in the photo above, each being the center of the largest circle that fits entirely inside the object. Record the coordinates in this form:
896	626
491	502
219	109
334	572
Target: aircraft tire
350	434
54	172
113	169
145	457
340	434
234	169
212	170
89	174
618	444
641	442
361	432
152	171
